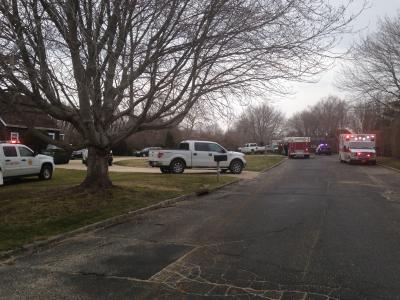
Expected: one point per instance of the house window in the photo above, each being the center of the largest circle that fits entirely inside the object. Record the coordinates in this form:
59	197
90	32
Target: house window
14	136
62	136
52	135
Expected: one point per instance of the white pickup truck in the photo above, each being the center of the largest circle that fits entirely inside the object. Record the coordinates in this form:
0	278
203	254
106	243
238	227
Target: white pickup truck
196	154
18	160
252	148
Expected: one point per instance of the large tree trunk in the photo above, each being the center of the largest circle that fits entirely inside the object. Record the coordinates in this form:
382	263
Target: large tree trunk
97	169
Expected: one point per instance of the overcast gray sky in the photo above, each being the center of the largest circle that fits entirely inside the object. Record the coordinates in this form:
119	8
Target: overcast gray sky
309	93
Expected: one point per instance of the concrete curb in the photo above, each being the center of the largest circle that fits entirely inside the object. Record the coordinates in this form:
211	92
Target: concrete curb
43	244
29	248
390	168
275	165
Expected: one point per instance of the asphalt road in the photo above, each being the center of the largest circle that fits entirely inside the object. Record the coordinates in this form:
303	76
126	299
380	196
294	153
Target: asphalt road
308	229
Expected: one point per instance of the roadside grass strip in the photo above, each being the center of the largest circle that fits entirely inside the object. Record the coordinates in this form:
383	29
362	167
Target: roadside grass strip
259	163
391	162
33	210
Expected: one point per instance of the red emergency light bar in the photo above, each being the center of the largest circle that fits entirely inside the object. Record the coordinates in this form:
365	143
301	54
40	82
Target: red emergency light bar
14	142
361	137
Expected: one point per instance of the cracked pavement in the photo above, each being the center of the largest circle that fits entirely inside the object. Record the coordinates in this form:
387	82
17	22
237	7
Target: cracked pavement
308	229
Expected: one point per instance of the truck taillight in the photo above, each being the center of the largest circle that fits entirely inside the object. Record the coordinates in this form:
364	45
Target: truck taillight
160	154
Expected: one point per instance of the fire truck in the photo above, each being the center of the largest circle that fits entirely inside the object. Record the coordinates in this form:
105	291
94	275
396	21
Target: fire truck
357	148
297	146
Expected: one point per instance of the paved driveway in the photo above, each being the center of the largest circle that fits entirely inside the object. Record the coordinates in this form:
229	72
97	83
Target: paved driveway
309	229
77	165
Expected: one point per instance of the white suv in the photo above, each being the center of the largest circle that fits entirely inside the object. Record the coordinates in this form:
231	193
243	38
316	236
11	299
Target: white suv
18	160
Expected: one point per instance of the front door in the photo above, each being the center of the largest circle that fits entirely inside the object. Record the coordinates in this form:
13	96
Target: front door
29	163
216	149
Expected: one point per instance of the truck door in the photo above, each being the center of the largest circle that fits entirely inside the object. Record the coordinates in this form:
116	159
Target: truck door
29	164
216	149
201	155
11	161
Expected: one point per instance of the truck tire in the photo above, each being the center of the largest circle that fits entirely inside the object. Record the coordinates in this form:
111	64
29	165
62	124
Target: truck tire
177	166
46	172
165	170
236	166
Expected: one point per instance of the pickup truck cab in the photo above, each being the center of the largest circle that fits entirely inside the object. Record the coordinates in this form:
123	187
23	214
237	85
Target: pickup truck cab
252	148
17	160
196	154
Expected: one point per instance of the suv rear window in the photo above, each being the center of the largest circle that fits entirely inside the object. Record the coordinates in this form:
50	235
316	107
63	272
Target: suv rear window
183	146
10	151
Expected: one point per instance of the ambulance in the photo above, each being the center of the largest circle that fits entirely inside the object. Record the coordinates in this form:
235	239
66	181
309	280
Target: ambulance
297	146
357	148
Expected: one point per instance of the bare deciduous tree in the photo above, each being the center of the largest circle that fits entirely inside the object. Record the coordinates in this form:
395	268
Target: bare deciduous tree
321	120
260	124
113	68
374	75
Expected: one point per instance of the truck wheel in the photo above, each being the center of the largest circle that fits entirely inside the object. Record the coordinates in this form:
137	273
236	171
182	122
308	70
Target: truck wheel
46	172
236	166
177	166
165	170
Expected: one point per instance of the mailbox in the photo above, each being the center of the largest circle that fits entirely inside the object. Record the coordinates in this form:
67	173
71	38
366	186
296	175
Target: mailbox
218	158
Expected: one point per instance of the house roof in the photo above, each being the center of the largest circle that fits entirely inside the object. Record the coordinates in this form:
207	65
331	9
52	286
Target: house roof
26	117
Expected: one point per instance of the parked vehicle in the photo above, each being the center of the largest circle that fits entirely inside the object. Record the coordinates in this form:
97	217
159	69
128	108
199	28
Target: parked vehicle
145	152
85	153
276	146
76	154
252	148
323	149
196	154
60	156
357	148
298	146
17	160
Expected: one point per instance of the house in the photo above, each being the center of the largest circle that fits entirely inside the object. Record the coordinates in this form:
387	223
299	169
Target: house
14	126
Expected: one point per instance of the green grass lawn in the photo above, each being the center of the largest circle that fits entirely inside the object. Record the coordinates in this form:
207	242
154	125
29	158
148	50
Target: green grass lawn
390	162
260	162
32	210
138	163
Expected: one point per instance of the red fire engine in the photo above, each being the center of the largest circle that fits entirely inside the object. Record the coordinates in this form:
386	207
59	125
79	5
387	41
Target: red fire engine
298	146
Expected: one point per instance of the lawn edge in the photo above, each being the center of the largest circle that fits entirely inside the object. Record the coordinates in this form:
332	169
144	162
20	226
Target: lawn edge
43	244
387	167
274	166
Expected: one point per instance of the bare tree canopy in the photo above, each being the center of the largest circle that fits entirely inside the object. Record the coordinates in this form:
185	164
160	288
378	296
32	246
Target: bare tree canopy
321	120
113	68
260	124
374	74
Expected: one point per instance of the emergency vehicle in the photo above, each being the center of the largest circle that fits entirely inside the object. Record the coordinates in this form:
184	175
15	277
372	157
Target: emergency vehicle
298	146
17	160
357	147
